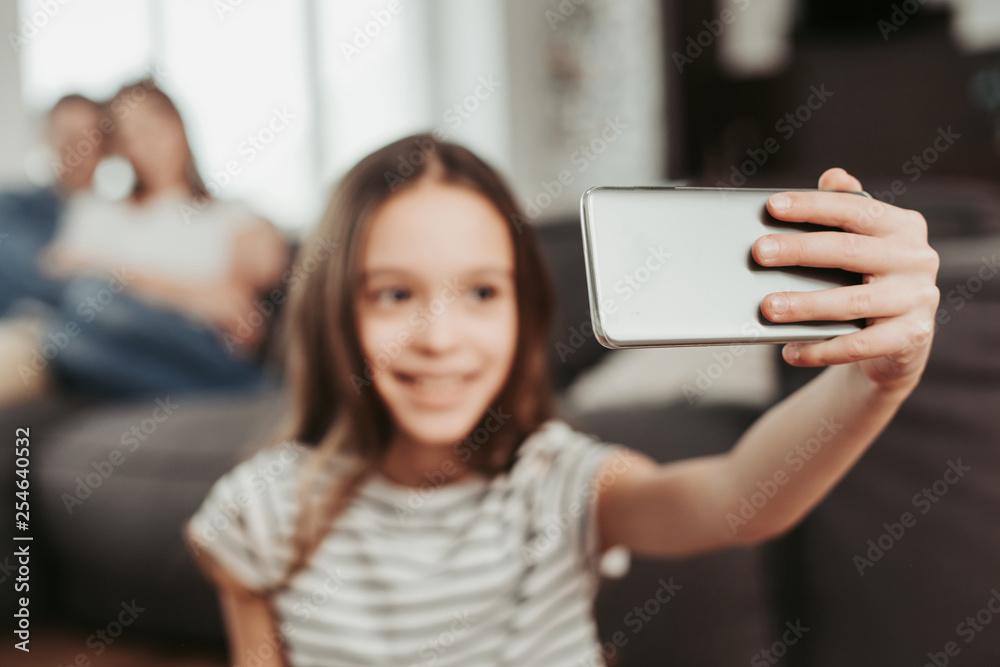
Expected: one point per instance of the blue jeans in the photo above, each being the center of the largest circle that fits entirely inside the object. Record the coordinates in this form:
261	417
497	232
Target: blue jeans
28	222
110	344
98	341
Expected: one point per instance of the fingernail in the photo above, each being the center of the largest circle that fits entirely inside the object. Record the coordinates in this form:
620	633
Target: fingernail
780	202
791	352
779	304
767	247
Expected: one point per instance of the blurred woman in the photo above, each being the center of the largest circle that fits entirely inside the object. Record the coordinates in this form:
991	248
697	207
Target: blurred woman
162	288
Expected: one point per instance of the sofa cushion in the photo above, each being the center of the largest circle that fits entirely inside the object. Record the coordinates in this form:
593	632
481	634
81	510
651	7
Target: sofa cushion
40	418
890	566
116	486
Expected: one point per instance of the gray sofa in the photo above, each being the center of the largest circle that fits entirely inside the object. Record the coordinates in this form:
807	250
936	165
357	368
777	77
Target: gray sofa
121	541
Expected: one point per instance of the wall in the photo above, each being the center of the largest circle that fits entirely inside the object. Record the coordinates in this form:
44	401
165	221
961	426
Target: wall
15	124
587	99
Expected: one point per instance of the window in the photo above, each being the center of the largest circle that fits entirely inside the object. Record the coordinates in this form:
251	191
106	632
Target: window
279	97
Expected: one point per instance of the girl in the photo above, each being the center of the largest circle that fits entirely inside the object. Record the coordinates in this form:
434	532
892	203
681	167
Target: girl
427	507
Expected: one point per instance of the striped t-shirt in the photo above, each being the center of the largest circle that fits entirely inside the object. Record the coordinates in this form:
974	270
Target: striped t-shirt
499	571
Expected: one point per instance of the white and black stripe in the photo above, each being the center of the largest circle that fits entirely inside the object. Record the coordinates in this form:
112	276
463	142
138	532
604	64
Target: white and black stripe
482	571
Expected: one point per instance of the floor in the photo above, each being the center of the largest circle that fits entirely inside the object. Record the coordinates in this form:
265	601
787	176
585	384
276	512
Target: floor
53	647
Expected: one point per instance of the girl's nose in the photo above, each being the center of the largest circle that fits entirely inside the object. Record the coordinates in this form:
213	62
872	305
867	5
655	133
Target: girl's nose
442	331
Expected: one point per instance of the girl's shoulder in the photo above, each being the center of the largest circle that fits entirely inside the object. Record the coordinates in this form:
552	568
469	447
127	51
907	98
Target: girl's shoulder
559	459
270	472
561	472
276	462
554	435
245	522
556	442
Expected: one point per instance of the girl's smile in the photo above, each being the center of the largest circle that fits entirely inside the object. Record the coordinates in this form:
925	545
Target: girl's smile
435	391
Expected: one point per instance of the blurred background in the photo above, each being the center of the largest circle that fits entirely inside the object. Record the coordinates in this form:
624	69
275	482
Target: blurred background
229	66
553	82
279	99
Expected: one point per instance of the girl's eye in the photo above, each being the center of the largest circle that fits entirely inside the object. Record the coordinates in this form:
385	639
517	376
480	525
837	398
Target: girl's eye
483	292
392	295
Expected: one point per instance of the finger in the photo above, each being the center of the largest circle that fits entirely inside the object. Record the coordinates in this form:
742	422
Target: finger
898	339
839	179
854	302
850	212
853	252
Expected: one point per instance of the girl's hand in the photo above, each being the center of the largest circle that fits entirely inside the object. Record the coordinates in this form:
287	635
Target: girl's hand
898	297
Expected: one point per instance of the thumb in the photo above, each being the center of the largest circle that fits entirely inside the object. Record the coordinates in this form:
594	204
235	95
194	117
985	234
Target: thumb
838	179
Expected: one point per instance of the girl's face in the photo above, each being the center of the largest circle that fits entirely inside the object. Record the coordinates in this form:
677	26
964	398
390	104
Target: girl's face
437	309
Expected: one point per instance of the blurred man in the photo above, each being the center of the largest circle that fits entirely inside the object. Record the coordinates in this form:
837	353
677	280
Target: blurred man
28	218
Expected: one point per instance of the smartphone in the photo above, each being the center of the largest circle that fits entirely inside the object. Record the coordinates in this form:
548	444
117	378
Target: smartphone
671	266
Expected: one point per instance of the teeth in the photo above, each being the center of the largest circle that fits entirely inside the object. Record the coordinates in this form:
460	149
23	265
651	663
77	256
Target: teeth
438	382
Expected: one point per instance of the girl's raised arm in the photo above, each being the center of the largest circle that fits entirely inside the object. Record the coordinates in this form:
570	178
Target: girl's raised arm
795	453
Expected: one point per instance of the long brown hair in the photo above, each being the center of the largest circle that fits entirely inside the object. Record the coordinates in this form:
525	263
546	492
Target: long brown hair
332	409
147	92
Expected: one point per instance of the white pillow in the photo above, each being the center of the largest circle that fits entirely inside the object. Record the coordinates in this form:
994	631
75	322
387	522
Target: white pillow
744	374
